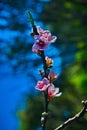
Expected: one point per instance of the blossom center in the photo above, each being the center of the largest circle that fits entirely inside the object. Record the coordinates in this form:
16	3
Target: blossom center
40	43
41	85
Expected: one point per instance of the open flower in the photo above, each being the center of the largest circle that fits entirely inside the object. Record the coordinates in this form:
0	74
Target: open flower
42	85
49	61
53	92
52	76
40	43
43	39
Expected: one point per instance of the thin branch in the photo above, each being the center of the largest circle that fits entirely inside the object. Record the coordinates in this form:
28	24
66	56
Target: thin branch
76	117
45	93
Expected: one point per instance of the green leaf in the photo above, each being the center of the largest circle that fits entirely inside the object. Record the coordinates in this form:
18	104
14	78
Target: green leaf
30	18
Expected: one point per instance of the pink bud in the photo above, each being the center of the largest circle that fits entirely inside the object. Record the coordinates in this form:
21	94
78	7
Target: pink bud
49	61
52	76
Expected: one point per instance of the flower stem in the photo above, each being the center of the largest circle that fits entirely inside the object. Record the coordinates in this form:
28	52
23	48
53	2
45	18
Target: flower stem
46	101
44	63
46	111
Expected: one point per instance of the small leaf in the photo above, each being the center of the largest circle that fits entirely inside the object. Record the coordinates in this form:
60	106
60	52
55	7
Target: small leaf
30	18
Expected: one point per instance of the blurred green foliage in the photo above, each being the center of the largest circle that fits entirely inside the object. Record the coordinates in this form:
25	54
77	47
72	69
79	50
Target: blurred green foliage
67	18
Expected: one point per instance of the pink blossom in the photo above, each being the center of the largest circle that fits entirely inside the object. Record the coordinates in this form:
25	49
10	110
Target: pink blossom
40	43
43	39
42	85
53	92
52	76
49	61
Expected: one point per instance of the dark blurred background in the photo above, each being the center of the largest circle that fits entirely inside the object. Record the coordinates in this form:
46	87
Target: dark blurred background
20	104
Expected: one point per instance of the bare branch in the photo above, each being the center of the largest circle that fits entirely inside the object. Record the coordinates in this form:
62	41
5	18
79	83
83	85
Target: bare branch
77	116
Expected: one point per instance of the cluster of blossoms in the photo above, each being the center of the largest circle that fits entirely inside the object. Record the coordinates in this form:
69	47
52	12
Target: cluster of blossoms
47	83
42	40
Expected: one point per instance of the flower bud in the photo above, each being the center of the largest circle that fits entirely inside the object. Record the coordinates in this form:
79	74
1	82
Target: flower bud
49	61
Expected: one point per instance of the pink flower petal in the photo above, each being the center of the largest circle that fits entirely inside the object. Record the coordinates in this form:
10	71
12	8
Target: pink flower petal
42	85
52	91
52	76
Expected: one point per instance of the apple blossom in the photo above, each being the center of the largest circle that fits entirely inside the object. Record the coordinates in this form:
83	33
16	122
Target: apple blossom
42	85
53	92
42	40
